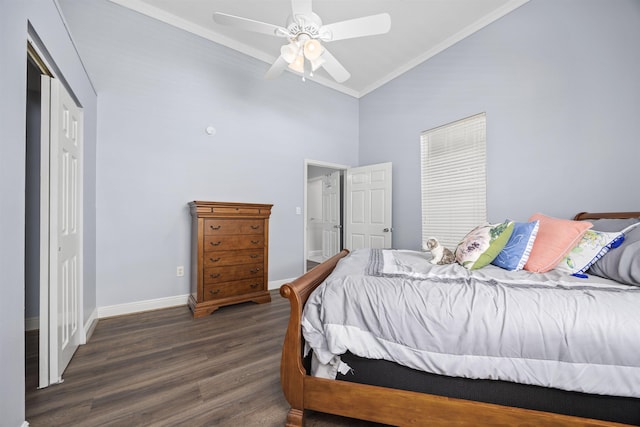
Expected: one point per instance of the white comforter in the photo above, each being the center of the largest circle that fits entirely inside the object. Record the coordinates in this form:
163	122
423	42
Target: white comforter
549	329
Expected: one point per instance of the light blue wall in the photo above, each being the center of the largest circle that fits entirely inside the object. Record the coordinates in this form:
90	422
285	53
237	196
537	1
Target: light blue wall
158	89
559	83
15	17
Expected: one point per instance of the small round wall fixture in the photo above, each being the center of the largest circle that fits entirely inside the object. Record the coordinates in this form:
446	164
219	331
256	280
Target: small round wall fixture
210	130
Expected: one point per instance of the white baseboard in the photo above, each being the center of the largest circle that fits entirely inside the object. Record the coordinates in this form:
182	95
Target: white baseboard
33	324
155	304
90	325
138	306
25	424
315	256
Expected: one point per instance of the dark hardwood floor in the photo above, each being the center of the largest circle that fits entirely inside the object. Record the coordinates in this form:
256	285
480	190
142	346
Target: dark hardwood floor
164	368
311	264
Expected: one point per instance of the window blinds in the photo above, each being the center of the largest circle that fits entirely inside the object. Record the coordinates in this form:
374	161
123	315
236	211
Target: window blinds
453	171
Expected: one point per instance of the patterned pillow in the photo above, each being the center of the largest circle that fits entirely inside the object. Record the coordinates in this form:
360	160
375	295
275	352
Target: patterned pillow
555	238
517	250
483	244
592	247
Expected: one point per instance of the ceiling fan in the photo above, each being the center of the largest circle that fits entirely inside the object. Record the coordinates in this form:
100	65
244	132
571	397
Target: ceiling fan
306	33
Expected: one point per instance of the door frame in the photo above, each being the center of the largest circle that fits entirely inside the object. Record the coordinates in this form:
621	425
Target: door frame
48	375
318	163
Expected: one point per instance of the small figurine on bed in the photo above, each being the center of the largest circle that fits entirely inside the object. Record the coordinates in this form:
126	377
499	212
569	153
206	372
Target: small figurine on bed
441	255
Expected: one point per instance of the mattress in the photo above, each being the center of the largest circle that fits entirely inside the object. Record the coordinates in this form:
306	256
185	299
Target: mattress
550	330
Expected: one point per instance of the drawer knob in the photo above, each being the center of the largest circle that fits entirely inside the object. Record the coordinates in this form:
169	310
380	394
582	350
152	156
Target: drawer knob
216	243
214	276
255	227
214	227
255	285
255	242
254	270
254	256
214	259
214	291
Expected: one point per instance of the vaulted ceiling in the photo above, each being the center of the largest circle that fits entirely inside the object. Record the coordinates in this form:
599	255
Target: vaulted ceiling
419	30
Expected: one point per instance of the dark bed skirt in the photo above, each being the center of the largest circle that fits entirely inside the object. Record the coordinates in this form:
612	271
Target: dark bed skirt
388	374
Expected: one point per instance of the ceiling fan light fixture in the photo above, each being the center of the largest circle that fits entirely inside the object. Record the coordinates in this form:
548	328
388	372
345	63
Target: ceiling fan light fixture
290	52
313	49
306	35
297	64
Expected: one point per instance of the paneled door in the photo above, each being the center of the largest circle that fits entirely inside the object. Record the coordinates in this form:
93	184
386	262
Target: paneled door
368	207
332	225
61	292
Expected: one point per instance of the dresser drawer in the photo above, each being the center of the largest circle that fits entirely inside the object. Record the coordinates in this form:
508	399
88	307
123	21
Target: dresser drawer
233	226
248	210
232	242
232	272
214	291
223	258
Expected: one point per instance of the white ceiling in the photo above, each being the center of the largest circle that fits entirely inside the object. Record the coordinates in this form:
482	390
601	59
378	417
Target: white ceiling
419	30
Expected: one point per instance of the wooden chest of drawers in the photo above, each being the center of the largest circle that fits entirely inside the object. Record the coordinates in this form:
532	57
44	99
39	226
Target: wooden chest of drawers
229	255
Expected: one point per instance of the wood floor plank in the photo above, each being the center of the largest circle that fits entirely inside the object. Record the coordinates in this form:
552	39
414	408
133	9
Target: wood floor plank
164	368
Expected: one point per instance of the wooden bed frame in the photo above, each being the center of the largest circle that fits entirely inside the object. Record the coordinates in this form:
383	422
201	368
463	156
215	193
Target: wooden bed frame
387	405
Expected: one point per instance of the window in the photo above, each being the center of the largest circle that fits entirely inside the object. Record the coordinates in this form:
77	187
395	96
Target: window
453	171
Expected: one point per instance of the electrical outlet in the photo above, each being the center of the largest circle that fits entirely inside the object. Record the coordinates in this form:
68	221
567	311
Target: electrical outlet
180	271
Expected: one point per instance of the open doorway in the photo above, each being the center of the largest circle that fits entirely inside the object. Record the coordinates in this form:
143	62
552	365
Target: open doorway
324	211
345	207
32	220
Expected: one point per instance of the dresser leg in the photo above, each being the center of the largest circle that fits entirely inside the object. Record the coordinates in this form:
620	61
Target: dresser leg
200	311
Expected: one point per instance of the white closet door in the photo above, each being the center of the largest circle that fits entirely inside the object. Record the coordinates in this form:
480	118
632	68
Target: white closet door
331	229
64	229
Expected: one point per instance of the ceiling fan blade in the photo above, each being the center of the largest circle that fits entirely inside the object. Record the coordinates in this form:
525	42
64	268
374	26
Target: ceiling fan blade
249	24
277	68
301	7
358	27
334	68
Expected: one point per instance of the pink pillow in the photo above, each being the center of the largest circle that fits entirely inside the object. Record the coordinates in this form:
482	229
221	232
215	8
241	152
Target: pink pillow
555	239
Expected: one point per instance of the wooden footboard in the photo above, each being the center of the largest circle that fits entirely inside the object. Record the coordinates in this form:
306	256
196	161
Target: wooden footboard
292	371
380	404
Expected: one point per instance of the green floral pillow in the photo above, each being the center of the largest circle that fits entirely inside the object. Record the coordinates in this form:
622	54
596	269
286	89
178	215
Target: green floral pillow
483	244
593	246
